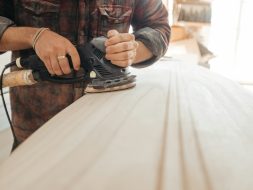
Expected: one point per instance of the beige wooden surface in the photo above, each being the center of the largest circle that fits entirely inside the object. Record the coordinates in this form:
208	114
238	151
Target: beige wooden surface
180	128
5	144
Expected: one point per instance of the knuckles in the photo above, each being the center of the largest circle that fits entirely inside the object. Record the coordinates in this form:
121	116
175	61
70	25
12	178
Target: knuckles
126	46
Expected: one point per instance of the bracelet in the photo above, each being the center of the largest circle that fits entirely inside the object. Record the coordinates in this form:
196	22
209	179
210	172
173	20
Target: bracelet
37	36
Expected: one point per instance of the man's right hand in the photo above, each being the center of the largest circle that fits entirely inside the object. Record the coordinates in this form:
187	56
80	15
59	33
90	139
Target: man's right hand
52	49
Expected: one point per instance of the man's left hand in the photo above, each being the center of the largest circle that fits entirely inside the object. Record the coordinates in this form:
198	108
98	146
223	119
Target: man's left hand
121	48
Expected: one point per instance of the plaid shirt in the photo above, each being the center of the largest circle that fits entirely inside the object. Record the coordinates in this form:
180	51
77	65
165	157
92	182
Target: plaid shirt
79	21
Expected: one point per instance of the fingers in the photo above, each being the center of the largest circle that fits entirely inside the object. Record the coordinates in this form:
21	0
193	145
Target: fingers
55	65
115	38
111	33
52	49
71	50
48	65
122	59
121	56
63	64
121	48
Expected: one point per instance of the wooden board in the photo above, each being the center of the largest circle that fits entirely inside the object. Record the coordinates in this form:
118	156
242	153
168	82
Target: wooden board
180	128
5	144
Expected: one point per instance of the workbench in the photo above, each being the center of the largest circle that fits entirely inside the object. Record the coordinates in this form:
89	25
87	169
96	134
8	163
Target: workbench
181	128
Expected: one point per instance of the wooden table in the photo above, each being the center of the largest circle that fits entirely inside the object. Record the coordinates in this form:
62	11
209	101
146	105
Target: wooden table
180	128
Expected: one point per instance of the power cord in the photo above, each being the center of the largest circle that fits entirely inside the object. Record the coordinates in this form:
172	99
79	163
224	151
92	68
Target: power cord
15	143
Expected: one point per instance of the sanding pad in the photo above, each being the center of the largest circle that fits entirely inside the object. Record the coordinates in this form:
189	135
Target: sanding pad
90	89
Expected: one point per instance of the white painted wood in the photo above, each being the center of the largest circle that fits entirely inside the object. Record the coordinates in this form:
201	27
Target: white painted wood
180	128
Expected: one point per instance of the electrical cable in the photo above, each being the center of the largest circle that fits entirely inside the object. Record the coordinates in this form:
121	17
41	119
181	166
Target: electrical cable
15	143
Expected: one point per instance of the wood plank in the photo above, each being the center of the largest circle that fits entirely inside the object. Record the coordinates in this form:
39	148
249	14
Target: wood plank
180	128
5	144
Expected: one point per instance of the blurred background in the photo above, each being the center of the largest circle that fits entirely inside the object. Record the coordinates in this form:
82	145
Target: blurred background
223	27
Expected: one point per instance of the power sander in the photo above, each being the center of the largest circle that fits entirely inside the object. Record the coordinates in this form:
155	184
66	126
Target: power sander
97	73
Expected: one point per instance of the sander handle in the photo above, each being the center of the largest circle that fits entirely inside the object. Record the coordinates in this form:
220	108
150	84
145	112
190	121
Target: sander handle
19	78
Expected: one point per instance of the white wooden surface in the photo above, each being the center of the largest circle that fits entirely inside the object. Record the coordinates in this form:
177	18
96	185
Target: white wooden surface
5	144
180	128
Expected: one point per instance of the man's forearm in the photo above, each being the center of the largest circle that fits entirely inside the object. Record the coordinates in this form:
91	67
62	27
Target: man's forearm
17	38
142	54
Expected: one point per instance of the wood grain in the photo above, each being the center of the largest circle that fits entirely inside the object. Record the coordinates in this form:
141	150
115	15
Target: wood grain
181	128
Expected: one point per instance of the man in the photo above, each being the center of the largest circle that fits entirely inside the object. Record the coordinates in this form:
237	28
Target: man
51	28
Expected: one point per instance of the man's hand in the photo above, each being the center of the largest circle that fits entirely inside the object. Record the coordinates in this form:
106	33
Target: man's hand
121	48
50	47
52	50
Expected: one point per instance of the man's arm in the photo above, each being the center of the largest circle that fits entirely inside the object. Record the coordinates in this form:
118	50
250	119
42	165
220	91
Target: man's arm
49	47
123	50
142	53
4	24
150	39
17	38
151	27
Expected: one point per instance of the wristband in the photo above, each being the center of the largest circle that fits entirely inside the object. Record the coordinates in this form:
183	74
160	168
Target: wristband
37	36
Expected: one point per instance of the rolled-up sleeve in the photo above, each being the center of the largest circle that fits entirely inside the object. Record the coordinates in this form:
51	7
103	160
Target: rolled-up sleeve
6	16
151	27
4	24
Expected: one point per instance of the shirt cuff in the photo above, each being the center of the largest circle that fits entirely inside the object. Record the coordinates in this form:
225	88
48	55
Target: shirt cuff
153	40
4	24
